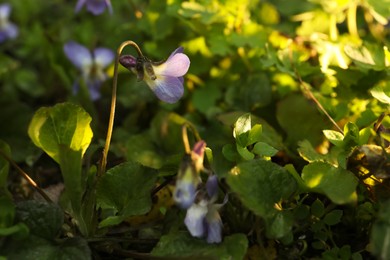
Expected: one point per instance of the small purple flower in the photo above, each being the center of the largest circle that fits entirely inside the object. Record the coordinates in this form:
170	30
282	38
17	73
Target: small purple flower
8	30
202	218
91	65
188	177
96	7
165	79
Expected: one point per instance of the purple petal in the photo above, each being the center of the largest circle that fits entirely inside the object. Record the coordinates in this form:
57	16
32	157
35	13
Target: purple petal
184	194
214	231
212	186
97	7
168	89
178	50
108	3
3	37
195	218
5	10
103	56
80	5
78	54
11	30
213	224
175	66
94	89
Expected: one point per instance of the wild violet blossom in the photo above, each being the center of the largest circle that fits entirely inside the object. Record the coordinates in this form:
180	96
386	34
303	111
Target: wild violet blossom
188	177
202	218
8	30
165	79
96	7
91	65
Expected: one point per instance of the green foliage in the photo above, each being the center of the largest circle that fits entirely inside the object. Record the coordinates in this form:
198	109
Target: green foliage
64	125
338	184
291	97
125	189
183	245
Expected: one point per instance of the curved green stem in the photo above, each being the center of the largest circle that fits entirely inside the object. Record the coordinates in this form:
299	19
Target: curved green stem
103	162
333	27
351	16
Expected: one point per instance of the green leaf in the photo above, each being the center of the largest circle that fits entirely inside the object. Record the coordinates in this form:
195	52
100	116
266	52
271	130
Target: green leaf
245	153
333	217
39	248
43	219
334	137
336	183
280	225
184	246
382	92
7	209
230	152
260	184
300	120
126	188
307	152
255	134
264	149
317	208
4	164
369	56
140	148
64	124
241	129
351	135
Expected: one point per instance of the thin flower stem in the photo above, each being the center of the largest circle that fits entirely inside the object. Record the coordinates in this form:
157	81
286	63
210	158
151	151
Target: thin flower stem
185	139
186	142
351	20
27	177
103	162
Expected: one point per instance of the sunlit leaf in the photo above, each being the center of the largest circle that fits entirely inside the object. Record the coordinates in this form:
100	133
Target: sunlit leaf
64	124
336	183
260	184
382	92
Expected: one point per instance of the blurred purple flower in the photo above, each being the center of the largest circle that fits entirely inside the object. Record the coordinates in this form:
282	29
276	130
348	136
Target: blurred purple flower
8	30
202	218
96	7
188	176
91	65
165	79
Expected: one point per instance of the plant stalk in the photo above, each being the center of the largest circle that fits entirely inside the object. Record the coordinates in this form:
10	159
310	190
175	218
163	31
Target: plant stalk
103	162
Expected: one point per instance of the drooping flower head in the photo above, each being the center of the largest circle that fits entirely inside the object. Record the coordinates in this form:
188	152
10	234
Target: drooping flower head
202	218
91	65
8	30
96	7
188	177
165	79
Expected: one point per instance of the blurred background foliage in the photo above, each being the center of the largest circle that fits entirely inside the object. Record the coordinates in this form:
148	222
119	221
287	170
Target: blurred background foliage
262	57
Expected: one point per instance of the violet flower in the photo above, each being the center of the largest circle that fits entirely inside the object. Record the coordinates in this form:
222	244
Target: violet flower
8	30
96	7
188	177
91	65
202	218
165	79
